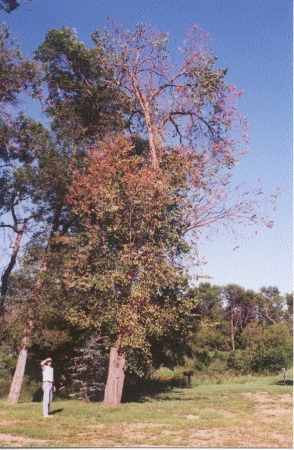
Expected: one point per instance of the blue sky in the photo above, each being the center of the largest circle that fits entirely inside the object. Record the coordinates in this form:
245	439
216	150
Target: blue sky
253	39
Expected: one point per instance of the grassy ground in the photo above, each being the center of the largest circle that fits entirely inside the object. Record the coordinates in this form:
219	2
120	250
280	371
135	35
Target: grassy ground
239	412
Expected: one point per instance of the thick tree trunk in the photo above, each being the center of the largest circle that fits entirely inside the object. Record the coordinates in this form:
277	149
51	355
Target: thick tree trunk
16	385
115	379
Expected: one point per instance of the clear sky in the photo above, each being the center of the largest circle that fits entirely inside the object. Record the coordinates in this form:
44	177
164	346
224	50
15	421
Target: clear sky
253	39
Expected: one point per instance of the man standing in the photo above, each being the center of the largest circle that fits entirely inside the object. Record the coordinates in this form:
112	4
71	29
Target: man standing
48	380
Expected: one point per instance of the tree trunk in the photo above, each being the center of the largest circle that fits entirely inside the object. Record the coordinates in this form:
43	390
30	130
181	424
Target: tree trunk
16	246
115	379
232	330
16	385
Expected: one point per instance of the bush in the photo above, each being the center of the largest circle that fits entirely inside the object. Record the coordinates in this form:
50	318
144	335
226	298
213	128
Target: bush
269	347
202	360
218	366
8	360
238	361
86	373
4	387
269	360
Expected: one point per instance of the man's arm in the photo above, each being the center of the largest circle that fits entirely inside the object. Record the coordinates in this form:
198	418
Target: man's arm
42	364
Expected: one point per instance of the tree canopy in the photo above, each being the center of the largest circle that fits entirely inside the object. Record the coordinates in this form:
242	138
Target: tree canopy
10	5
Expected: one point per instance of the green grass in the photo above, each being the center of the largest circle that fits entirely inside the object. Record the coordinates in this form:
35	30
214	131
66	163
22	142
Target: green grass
222	412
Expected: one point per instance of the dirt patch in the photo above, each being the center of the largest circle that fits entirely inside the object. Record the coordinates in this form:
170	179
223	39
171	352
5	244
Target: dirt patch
223	413
268	409
20	441
245	436
264	397
138	431
139	426
97	426
7	422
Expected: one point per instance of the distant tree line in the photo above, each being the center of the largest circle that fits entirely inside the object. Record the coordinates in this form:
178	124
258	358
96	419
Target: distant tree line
254	327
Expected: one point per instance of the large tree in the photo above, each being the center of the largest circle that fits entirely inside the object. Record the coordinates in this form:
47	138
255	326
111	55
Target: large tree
188	117
69	82
48	179
21	143
125	271
20	139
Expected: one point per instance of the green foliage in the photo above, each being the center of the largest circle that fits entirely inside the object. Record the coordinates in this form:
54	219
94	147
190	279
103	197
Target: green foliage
213	333
271	305
239	362
120	274
219	364
266	349
50	330
289	302
17	73
7	362
211	329
79	100
267	360
202	359
85	374
10	5
270	347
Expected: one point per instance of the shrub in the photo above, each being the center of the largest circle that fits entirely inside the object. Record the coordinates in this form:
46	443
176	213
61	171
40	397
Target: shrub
238	361
202	360
4	387
8	360
86	373
269	360
218	365
269	347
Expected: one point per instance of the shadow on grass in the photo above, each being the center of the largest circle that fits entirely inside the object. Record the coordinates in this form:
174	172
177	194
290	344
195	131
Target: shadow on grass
284	383
56	411
155	388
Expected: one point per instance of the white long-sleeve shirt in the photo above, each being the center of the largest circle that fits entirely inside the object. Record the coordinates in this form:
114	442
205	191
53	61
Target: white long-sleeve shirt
48	373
